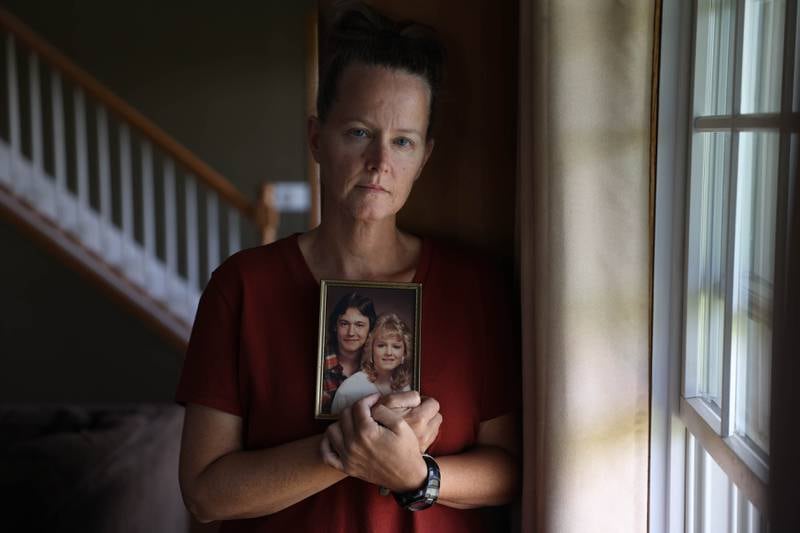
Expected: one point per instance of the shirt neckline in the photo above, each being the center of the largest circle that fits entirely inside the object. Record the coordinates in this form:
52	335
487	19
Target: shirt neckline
303	273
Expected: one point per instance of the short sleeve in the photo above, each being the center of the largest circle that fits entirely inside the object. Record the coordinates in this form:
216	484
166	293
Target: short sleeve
210	368
501	372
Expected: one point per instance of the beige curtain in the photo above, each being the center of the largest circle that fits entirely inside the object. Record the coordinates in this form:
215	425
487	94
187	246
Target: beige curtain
584	250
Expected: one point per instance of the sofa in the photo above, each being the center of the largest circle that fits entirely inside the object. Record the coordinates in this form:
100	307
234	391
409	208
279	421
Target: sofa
102	468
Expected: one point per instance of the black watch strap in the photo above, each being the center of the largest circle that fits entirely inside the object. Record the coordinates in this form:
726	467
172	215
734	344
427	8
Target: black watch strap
427	494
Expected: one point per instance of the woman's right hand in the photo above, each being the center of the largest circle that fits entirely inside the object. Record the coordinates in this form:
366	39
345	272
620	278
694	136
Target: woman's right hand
421	414
377	446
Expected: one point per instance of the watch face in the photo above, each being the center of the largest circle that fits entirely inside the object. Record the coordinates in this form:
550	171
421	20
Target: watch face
420	505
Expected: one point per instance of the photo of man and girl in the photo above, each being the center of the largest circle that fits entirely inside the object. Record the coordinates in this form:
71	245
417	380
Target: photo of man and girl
368	342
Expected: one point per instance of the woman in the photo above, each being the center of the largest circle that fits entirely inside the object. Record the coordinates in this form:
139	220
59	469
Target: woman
385	366
252	453
352	319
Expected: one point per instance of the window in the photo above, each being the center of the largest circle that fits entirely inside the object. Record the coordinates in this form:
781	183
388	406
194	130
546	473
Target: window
728	133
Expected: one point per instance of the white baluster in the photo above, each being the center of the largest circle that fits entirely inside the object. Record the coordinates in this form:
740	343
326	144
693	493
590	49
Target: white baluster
129	248
192	256
173	292
110	244
13	167
64	214
35	187
234	242
212	232
86	231
152	280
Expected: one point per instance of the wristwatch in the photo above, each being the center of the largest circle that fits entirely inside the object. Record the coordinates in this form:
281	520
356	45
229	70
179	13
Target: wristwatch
427	494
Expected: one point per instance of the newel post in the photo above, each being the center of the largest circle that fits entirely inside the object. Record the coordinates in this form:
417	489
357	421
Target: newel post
267	216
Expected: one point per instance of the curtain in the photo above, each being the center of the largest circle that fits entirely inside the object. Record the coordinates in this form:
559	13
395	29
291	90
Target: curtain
584	250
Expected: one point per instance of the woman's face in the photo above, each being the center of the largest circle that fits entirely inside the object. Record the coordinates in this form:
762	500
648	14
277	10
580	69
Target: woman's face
373	145
351	330
388	352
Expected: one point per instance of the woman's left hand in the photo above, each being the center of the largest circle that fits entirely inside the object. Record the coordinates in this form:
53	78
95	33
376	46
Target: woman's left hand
375	445
421	414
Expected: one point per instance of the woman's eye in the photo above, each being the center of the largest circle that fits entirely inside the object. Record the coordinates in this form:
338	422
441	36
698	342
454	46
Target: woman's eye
403	142
358	132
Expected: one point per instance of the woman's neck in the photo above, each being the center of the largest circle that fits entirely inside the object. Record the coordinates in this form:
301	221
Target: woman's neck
350	249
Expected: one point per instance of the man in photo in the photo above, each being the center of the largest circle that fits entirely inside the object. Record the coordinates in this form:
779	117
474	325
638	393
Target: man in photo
348	327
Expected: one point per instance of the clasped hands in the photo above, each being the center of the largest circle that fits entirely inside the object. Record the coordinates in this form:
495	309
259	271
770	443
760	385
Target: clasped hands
381	439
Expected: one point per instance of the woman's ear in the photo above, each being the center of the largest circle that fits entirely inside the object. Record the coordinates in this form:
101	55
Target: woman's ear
313	132
428	151
429	148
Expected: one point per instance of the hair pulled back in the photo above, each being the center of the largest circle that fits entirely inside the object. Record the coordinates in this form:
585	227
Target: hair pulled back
362	35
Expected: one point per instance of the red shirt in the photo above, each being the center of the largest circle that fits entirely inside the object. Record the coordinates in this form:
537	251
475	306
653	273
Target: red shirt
253	353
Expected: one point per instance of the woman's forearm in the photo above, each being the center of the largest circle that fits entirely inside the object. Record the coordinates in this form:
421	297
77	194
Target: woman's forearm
247	484
484	475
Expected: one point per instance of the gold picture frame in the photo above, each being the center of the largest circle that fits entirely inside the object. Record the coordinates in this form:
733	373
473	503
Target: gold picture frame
396	309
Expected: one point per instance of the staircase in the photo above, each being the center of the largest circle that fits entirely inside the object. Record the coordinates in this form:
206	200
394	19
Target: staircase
105	189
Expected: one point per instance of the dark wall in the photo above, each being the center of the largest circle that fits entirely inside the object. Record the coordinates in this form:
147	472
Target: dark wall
228	82
63	340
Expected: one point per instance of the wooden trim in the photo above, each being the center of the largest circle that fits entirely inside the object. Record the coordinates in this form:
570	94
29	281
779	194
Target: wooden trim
92	268
784	428
655	86
312	85
201	170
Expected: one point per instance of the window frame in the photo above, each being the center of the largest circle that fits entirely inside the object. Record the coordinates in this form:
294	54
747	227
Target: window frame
674	412
667	484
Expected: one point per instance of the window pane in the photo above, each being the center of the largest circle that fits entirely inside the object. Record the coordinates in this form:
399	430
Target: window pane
762	55
714	503
717	495
753	274
713	67
748	518
706	270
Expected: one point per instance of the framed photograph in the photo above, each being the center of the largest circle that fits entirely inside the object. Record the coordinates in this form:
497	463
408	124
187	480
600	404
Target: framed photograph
369	338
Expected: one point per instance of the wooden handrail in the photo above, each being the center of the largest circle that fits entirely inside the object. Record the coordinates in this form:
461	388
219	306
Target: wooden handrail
182	155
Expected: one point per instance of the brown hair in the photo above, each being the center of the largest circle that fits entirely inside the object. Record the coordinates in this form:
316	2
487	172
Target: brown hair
362	35
360	303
